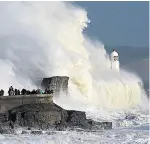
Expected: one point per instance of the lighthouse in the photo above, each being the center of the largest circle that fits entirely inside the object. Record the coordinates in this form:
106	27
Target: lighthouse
114	57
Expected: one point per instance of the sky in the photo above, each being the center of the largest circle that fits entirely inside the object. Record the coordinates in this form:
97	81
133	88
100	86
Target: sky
118	23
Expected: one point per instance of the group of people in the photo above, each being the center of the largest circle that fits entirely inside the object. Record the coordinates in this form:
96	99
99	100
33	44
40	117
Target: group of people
13	91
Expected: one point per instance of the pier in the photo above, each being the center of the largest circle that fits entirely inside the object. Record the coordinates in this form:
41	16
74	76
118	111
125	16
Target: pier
8	102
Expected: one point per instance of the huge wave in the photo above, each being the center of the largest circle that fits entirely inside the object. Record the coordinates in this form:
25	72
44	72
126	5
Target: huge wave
44	39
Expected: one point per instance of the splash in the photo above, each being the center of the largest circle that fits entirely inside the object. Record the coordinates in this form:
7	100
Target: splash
44	39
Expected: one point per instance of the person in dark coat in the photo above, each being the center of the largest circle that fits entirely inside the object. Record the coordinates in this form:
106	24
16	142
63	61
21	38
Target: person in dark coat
2	92
23	92
16	92
11	91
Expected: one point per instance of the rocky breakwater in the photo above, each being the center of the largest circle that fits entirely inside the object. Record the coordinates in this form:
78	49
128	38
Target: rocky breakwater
47	117
39	111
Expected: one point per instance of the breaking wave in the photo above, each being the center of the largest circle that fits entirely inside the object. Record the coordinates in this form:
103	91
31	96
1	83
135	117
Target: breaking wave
44	39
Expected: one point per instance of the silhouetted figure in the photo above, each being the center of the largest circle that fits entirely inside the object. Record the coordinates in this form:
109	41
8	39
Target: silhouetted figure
11	91
28	92
2	92
33	91
47	91
38	91
51	92
23	92
18	91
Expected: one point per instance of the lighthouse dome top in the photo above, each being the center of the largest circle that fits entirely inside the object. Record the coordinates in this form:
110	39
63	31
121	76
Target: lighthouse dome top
114	53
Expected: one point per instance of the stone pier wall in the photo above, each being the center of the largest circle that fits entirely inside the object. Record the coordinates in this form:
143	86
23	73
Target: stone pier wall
8	102
56	83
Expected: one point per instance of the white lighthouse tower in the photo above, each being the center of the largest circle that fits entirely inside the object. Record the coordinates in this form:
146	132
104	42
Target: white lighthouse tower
114	56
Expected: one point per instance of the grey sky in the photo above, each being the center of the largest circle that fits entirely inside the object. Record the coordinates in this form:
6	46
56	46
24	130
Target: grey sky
118	23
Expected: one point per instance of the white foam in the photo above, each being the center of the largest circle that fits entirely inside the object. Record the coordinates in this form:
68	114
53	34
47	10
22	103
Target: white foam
73	137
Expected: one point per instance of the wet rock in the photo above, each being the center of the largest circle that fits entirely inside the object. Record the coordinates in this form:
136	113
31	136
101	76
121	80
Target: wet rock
28	128
51	116
130	117
37	132
38	115
61	127
26	132
76	117
51	133
6	130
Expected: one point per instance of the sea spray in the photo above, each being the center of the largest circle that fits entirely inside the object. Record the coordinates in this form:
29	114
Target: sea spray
44	39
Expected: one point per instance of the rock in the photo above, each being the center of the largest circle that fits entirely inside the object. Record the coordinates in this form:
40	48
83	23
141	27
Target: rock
36	132
51	133
26	132
28	128
50	116
6	130
76	117
3	117
130	117
38	115
106	125
100	125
